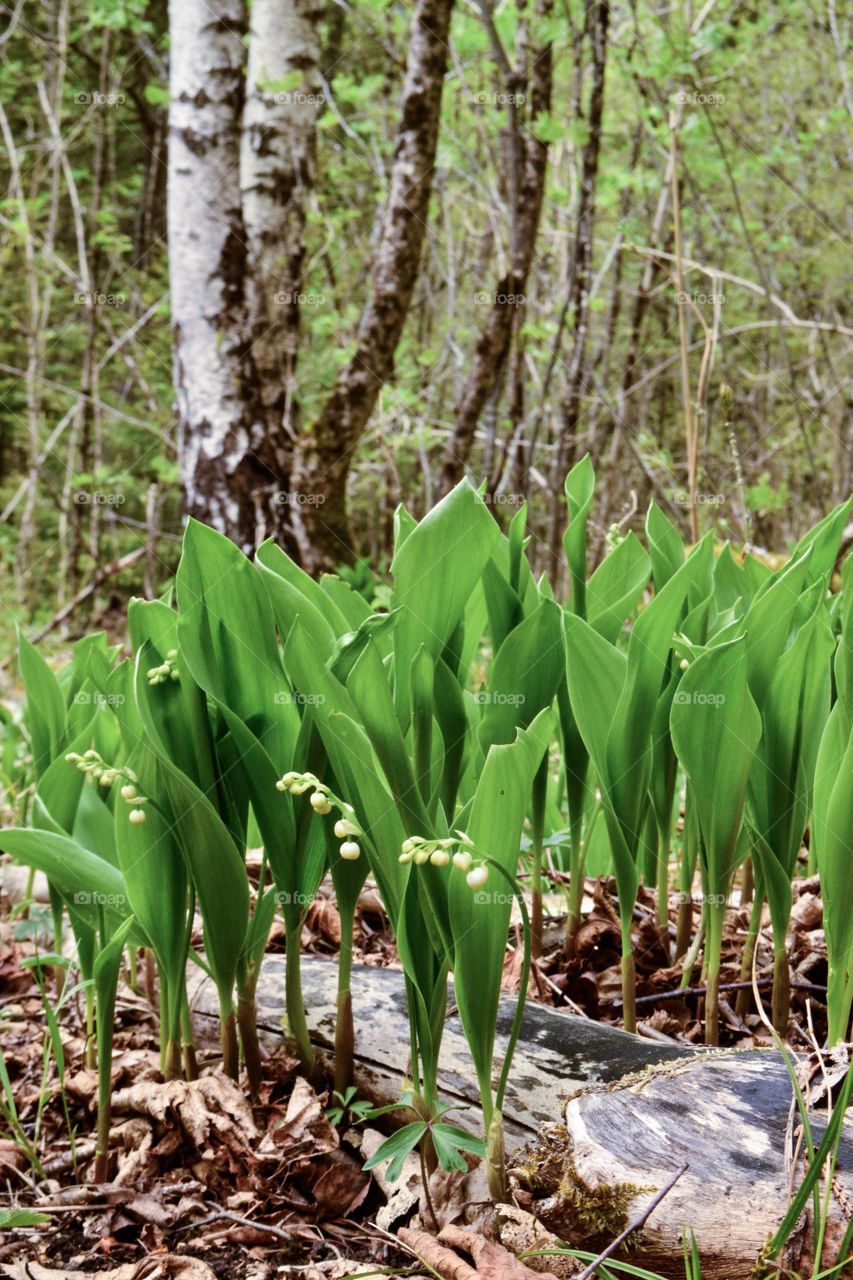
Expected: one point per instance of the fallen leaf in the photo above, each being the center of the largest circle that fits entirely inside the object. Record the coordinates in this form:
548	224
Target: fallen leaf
491	1261
161	1266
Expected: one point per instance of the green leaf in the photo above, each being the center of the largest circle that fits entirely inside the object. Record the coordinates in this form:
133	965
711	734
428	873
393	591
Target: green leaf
716	728
579	489
479	921
665	546
450	1142
396	1148
616	586
435	572
44	712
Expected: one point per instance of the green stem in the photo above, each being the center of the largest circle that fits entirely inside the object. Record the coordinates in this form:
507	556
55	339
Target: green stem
102	1138
713	948
743	1003
540	792
172	1060
496	1160
576	877
781	998
186	1025
133	968
91	1056
228	1040
629	973
577	868
294	1001
747	883
247	1020
629	991
344	1031
663	877
839	1001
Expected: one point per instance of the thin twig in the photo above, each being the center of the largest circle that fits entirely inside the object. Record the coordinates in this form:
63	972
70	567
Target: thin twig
633	1226
812	987
108	571
242	1222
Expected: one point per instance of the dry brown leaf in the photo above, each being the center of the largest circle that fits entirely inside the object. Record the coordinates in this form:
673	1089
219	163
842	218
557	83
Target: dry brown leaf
491	1261
521	1232
164	1266
212	1105
323	919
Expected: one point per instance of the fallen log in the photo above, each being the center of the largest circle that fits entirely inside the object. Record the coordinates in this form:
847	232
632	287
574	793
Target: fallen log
558	1054
633	1113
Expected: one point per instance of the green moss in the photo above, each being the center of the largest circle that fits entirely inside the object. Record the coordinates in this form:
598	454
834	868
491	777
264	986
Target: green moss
578	1212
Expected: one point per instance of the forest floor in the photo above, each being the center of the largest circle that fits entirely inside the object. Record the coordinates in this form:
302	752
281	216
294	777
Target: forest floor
206	1184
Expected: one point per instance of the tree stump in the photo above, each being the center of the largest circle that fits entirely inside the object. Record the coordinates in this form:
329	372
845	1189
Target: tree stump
633	1112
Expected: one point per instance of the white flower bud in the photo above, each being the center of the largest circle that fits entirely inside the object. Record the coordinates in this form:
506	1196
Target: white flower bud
299	788
439	858
344	828
350	851
173	653
406	857
477	876
408	846
137	817
128	791
684	664
319	803
462	860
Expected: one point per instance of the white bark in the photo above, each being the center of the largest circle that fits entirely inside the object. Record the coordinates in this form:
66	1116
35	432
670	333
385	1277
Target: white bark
217	421
277	170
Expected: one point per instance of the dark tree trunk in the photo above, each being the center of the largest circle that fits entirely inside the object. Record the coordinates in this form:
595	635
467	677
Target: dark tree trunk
598	18
530	154
327	448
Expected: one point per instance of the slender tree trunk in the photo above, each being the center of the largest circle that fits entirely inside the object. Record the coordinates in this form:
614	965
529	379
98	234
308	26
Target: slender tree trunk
327	450
277	172
221	445
598	17
528	155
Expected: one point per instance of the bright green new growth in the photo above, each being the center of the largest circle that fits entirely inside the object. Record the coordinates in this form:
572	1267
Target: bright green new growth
715	730
433	747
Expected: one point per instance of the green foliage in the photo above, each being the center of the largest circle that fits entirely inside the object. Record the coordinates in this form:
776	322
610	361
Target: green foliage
429	742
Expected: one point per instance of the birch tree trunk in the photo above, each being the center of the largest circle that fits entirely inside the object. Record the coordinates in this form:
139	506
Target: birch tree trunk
327	450
221	447
277	172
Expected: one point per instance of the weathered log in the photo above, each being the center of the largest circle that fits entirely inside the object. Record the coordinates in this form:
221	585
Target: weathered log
727	1116
633	1112
558	1054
